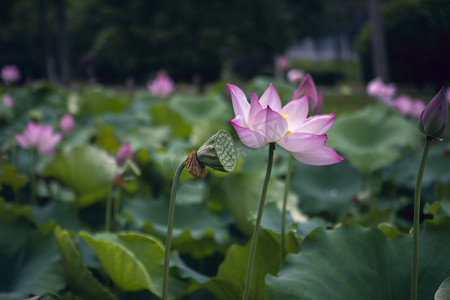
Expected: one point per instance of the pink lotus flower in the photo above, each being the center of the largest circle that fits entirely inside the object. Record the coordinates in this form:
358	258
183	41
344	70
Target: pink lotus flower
308	88
8	101
381	91
162	86
265	121
282	63
67	124
405	105
10	74
125	152
39	137
295	76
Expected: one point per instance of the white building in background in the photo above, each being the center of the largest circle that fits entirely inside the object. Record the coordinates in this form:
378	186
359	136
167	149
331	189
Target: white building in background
324	48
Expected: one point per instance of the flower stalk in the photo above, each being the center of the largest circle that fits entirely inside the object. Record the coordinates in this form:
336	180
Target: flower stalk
173	195
415	267
251	259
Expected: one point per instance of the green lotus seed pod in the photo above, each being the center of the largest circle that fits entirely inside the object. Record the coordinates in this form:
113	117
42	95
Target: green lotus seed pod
219	152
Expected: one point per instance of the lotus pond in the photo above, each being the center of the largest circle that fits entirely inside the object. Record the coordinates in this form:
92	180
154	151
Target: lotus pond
85	215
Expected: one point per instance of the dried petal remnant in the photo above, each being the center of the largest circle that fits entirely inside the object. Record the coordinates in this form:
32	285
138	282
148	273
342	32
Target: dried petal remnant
194	166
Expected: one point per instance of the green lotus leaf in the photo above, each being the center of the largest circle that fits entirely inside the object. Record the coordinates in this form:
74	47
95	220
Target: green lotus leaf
134	261
326	190
200	108
196	231
87	170
230	279
79	278
353	262
373	138
443	293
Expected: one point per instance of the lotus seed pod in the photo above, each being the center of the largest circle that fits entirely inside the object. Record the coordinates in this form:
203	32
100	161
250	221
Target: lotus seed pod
219	152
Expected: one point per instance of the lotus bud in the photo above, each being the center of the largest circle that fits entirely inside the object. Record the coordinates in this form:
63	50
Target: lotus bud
434	117
218	153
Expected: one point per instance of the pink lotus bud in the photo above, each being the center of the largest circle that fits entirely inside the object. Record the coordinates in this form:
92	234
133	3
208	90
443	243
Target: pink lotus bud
125	152
434	117
282	63
10	74
8	101
67	124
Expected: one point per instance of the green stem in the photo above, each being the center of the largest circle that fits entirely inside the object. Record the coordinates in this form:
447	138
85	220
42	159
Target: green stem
283	210
173	195
251	259
117	201
415	268
108	212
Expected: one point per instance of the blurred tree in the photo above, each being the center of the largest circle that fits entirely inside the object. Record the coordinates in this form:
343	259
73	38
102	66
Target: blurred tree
418	41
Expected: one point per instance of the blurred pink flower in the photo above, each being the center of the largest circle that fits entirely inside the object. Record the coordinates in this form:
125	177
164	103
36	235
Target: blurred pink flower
384	92
125	152
162	86
282	63
8	101
10	74
265	121
308	88
405	105
295	76
39	137
67	124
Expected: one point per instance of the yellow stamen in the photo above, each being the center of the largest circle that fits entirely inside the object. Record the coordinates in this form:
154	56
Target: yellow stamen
286	116
288	132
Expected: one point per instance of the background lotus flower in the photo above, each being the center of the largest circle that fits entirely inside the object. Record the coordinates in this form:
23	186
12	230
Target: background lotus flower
8	101
125	152
434	118
10	74
295	76
265	120
405	105
40	137
308	88
67	123
384	92
162	86
282	63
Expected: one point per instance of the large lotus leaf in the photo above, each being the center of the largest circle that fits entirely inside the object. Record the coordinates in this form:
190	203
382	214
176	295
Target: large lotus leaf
10	177
404	172
196	231
373	138
230	279
30	262
134	261
58	213
12	211
200	108
443	293
79	278
240	194
148	137
85	169
96	100
162	114
352	262
325	190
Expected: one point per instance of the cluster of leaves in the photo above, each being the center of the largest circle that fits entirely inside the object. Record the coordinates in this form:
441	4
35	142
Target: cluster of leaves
348	227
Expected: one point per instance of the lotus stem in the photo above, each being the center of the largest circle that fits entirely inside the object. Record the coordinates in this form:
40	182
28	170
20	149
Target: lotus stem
173	194
108	213
415	263
283	210
251	259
